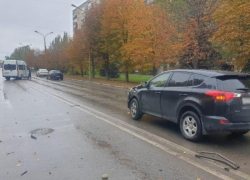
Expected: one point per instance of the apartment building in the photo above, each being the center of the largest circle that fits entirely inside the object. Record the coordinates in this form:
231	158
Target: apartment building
79	13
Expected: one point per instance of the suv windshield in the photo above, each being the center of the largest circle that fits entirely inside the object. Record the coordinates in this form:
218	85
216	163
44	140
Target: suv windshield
233	84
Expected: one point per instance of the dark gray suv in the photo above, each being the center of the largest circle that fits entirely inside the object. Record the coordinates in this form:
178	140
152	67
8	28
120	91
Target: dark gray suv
199	101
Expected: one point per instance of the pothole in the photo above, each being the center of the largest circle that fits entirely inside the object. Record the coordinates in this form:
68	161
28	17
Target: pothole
41	131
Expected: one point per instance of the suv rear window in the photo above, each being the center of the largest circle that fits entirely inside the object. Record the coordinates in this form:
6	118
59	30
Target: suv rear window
233	84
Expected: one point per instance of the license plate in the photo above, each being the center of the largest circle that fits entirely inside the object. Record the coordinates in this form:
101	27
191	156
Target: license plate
246	101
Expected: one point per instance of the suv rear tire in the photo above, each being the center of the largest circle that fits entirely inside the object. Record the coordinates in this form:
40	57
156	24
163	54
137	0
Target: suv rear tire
239	133
135	109
190	126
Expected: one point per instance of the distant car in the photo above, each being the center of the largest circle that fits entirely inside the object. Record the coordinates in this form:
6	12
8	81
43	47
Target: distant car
42	73
55	75
199	101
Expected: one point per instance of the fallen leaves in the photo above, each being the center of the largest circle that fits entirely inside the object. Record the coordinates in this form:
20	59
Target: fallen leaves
105	176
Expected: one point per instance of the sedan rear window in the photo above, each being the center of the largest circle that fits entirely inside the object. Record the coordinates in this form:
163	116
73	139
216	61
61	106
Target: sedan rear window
233	84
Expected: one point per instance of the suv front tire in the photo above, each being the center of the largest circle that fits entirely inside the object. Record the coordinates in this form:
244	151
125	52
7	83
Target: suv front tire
135	109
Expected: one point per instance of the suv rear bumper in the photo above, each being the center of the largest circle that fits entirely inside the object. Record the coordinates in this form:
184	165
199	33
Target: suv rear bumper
212	123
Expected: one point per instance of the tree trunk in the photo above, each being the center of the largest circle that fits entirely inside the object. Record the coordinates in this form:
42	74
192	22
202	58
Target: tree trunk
127	77
81	71
195	63
93	68
154	70
107	67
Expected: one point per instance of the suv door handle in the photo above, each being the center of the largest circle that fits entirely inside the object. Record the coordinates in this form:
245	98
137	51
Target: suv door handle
157	92
182	94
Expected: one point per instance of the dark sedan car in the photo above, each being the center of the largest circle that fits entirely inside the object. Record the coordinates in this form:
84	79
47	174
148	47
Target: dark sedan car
199	101
55	75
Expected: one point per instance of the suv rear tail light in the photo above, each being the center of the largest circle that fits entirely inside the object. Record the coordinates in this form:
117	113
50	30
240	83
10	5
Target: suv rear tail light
224	121
222	95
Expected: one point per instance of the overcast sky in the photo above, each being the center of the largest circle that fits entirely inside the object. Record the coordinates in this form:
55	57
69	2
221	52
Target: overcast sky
20	18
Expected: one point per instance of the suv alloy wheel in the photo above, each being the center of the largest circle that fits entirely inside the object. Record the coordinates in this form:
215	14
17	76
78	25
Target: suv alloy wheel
190	126
135	110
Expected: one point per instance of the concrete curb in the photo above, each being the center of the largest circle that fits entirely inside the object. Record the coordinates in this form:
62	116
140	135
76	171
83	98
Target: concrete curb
120	87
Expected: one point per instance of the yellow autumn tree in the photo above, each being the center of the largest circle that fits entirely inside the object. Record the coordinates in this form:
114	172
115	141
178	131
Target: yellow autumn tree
154	39
233	19
77	52
115	33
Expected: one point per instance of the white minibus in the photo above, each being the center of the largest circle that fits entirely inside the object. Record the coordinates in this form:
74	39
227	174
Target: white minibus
15	69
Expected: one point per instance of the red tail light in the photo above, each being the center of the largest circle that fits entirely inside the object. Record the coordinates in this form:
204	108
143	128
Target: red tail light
222	95
224	121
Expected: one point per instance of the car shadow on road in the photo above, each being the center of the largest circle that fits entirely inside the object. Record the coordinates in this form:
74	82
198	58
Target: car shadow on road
172	132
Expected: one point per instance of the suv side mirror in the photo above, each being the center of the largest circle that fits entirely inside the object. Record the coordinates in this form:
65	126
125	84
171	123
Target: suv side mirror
144	84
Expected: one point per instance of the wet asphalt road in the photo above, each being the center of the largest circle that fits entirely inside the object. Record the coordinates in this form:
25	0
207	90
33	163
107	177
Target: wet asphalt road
93	134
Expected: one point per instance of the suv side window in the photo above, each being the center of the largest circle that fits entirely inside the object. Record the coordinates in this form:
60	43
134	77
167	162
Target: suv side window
191	80
198	79
179	79
160	81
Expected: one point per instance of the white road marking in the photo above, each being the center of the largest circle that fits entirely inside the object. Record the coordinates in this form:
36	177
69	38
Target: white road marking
154	143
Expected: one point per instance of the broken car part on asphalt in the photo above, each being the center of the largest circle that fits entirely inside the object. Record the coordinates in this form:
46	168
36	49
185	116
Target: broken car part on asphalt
217	157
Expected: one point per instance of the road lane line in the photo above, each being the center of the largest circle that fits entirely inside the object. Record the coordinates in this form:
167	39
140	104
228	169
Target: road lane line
207	169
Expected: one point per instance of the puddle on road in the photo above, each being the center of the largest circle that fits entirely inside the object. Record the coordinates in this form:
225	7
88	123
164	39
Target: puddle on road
41	131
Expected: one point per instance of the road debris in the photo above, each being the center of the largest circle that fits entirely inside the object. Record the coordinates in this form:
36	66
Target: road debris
1	141
105	176
24	173
226	169
38	159
10	153
49	172
34	153
217	157
33	137
18	165
41	131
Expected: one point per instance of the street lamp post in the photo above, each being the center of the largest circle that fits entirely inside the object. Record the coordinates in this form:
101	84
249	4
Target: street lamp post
44	38
89	52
